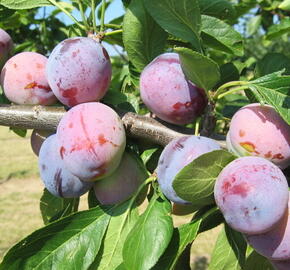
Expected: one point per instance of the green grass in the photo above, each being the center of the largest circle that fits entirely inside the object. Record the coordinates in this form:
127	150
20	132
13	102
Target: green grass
16	159
21	189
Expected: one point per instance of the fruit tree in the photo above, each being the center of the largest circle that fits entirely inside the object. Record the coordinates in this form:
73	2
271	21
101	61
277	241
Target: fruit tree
182	107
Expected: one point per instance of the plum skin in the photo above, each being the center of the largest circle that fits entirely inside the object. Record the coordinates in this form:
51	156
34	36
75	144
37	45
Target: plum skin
79	70
281	265
56	178
252	193
274	244
175	156
258	130
24	82
37	138
6	47
122	183
168	94
91	140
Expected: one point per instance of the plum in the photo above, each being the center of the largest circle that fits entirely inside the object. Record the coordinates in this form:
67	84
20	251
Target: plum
176	155
79	70
123	183
56	178
258	130
6	47
274	244
37	138
252	193
168	94
91	140
281	265
24	82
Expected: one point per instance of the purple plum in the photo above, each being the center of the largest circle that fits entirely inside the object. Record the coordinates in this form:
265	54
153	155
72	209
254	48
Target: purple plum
56	178
175	156
79	70
168	94
252	193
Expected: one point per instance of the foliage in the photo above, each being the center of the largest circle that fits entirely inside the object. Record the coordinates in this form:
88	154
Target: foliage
225	47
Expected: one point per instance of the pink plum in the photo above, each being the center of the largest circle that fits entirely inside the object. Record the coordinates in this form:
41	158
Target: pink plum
6	47
167	93
274	244
252	193
91	140
56	178
123	182
79	70
175	156
258	130
24	82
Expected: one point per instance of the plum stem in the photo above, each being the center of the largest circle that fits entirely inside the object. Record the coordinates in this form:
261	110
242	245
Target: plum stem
102	28
114	32
223	88
93	8
231	91
67	13
81	8
142	186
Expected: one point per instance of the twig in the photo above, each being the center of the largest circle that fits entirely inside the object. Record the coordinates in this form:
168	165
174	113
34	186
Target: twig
137	126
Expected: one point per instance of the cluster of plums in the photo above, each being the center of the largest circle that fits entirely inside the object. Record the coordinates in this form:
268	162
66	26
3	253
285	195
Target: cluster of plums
88	149
251	191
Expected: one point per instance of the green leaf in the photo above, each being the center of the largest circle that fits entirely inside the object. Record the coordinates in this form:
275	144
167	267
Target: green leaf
277	30
143	38
285	5
272	62
150	236
179	18
255	261
92	200
52	207
217	8
24	4
114	97
221	36
199	69
147	154
229	251
69	243
182	236
274	89
195	182
211	217
229	72
20	132
253	24
5	12
122	221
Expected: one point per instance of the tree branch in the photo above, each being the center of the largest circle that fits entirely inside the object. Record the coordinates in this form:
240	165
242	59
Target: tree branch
137	126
